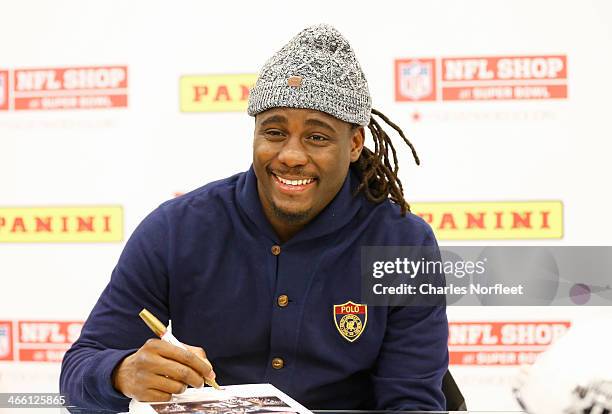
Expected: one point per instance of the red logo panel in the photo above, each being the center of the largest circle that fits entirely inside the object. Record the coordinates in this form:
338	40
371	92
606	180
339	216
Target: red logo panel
94	87
6	341
4	90
481	78
501	343
46	341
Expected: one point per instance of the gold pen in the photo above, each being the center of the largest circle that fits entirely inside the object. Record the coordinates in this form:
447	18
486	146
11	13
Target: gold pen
160	330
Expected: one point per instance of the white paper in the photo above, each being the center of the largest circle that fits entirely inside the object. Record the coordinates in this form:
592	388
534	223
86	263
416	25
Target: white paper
242	399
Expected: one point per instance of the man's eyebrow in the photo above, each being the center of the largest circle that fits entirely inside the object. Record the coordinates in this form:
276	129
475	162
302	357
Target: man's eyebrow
274	119
319	123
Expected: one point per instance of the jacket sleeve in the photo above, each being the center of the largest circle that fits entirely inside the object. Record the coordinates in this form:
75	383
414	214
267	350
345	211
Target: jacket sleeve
113	329
414	354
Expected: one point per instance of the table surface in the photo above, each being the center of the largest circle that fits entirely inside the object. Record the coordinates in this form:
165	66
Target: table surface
84	411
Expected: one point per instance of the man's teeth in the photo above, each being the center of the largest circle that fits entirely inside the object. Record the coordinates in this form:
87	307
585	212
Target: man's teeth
295	182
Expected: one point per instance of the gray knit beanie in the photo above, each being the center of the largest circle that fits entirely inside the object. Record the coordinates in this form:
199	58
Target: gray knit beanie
317	70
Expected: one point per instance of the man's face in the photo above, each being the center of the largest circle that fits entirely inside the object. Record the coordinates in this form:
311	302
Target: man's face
301	158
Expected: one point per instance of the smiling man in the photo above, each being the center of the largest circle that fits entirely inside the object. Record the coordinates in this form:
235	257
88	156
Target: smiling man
301	158
260	273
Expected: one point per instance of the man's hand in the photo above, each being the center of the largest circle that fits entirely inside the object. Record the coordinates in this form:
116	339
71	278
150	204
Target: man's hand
159	369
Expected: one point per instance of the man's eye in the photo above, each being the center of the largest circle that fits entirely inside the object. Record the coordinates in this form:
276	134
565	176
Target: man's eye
273	132
318	138
274	135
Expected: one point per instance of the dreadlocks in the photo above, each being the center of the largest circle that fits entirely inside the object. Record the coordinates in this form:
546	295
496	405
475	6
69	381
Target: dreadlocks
379	179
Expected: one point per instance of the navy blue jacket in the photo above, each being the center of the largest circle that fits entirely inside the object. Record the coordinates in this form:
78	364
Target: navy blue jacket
204	260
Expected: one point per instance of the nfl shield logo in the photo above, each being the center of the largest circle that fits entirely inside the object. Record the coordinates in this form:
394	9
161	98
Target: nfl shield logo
5	342
2	89
351	319
415	80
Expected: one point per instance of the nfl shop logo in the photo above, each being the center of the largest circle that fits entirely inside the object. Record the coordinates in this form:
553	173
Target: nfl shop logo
6	349
350	319
415	80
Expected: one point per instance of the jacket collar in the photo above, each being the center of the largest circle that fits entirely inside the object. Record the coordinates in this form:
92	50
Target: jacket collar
334	216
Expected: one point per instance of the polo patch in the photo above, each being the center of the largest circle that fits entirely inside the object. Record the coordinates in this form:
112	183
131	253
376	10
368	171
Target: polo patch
351	319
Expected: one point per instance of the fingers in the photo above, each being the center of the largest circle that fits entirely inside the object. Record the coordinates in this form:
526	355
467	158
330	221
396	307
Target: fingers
158	388
200	365
202	354
180	373
168	385
159	369
136	380
150	361
196	350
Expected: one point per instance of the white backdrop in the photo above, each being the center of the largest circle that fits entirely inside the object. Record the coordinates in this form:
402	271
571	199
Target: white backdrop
118	163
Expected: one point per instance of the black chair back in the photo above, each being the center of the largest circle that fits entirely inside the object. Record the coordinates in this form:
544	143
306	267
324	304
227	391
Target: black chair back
454	398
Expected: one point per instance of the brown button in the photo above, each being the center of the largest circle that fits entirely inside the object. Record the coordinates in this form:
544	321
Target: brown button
278	363
283	300
276	250
294	81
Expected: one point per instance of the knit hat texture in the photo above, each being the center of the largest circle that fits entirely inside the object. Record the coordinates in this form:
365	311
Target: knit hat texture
318	70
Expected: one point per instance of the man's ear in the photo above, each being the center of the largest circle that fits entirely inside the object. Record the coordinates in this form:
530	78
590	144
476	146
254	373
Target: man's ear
357	141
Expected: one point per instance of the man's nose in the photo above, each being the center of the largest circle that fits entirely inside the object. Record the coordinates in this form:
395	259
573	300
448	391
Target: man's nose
293	153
